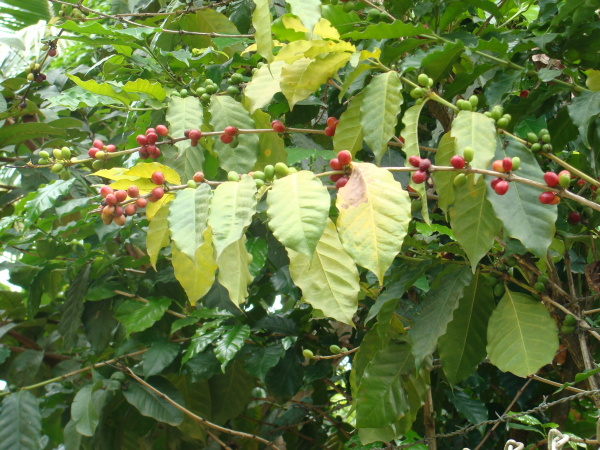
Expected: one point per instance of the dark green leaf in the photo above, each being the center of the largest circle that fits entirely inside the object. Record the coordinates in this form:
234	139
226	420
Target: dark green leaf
73	308
20	422
151	405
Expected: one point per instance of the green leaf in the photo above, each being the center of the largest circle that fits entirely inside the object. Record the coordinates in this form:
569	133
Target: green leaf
286	378
160	354
410	133
188	216
197	275
45	198
261	21
258	248
157	236
258	360
593	80
438	64
230	393
187	162
102	89
20	422
86	408
444	180
151	405
437	310
474	410
305	76
298	207
205	21
473	129
462	347
184	114
264	84
137	316
72	439
522	337
473	220
381	398
231	211
17	133
382	30
153	89
230	343
72	309
374	217
308	11
225	111
349	132
271	146
329	280
234	272
583	109
522	215
379	111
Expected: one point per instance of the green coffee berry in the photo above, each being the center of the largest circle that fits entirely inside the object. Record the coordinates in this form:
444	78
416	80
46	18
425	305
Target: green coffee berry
44	154
269	171
56	168
335	349
532	137
497	112
233	176
516	163
281	169
474	100
422	79
502	123
468	154
258	175
308	354
460	180
192	184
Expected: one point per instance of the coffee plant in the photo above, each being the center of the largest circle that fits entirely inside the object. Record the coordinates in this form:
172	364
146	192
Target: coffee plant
301	224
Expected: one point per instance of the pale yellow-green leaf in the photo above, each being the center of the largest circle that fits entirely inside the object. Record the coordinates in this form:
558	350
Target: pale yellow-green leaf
593	80
298	207
328	47
308	11
157	236
349	133
521	335
234	274
254	47
329	281
145	170
261	20
292	22
154	207
116	173
324	29
265	83
444	180
153	89
184	114
231	211
294	50
145	185
196	277
374	217
271	146
102	89
305	76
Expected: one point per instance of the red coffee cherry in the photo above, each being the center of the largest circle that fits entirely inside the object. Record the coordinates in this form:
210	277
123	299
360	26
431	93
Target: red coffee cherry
162	130
344	157
419	177
231	131
105	190
141	202
546	198
158	177
133	191
335	164
551	179
110	148
278	126
120	195
195	135
414	161
110	199
332	121
507	164
152	138
141	139
458	162
198	177
501	187
329	131
341	182
425	164
156	194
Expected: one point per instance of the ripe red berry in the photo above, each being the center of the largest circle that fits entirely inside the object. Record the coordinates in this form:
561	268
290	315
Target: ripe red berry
156	194
150	130
425	164
551	179
110	199
574	217
92	152
546	197
501	187
195	135
344	157
152	138
581	182
335	177
151	149
155	154
419	176
341	182
144	152
278	126
120	195
193	143
495	182
457	161
498	166
524	93
98	144
414	161
401	139
141	202
105	190
332	122
161	130
118	211
158	177
329	131
130	209
507	164
110	148
231	131
133	191
52	52
141	139
226	138
335	164
198	177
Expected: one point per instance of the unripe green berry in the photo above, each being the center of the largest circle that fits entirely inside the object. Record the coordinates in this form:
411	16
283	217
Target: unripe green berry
233	90
192	184
57	153
507	117
30	77
211	88
516	163
468	154
66	152
44	154
281	169
460	180
269	172
233	176
536	147
546	139
539	286
502	123
416	93
65	175
201	91
292	170
100	155
564	181
532	138
335	349
56	168
544	131
499	290
423	79
308	354
43	161
419	101
205	98
474	100
570	320
487	114
97	165
429	81
497	112
543	278
547	147
511	261
183	92
258	175
259	183
567	329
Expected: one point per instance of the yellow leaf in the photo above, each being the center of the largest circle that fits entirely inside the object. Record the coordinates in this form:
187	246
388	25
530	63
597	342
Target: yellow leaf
158	234
144	184
145	170
293	23
324	29
116	173
234	273
153	207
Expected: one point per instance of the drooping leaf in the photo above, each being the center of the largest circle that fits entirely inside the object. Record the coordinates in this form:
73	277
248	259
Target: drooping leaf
17	133
379	111
234	270
374	216
473	220
230	343
349	133
150	404
225	111
522	215
521	335
437	310
261	21
308	11
444	180
258	360
231	211
137	316
73	308
153	89
184	113
86	408
230	392
329	281
298	207
462	347
473	129
264	84
188	215
286	377
271	146
102	89
160	354
584	108
45	198
20	422
474	410
158	234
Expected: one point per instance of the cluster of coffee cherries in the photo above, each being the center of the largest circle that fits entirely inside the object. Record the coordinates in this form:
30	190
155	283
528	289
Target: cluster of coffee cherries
539	142
116	206
506	165
147	142
460	162
99	152
60	158
229	136
343	162
268	174
423	164
562	179
420	92
497	115
34	73
331	126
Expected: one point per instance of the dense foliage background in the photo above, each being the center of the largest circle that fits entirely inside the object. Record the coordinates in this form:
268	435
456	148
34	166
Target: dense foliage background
410	306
